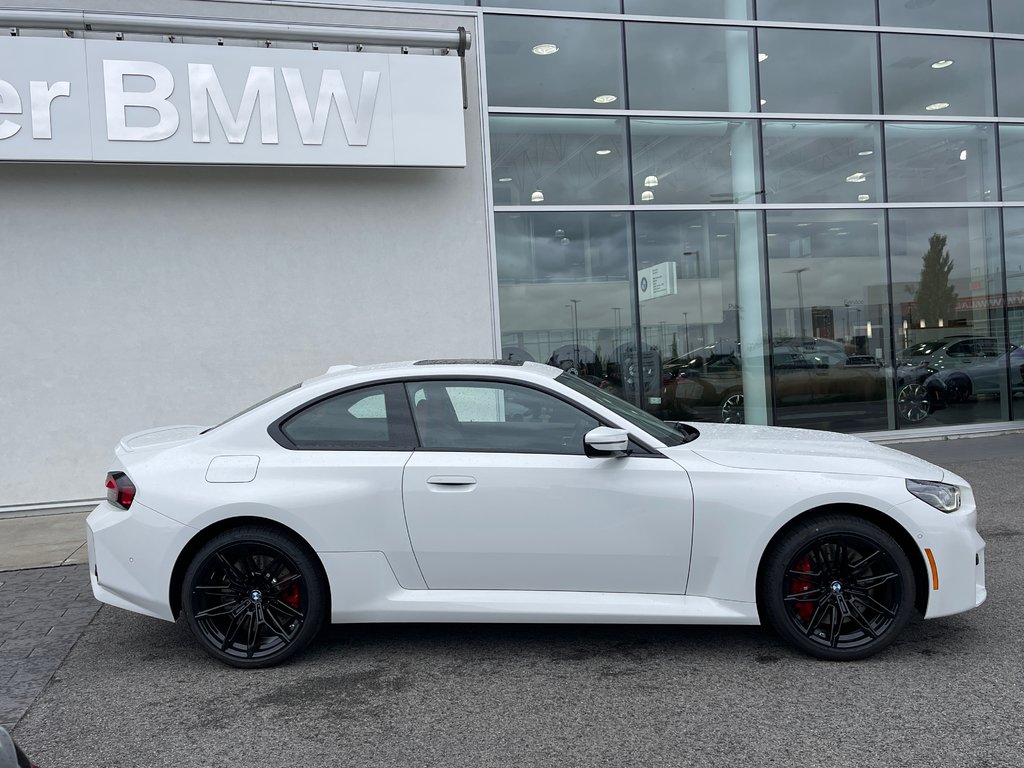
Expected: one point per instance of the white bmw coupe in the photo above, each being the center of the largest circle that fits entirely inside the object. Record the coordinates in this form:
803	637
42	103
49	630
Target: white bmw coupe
473	491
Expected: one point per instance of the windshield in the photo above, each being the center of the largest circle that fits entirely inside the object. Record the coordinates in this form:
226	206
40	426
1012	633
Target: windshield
638	418
924	349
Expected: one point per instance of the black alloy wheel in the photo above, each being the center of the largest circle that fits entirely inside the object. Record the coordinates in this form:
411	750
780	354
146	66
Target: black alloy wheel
913	404
252	597
731	409
839	588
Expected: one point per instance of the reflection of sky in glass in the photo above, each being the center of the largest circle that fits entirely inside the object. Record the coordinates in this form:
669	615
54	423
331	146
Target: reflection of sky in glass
935	14
938	162
1009	65
842	252
970	241
695	161
588	62
1007	16
680	67
841	12
559	156
819	72
911	84
589	6
819	162
694	9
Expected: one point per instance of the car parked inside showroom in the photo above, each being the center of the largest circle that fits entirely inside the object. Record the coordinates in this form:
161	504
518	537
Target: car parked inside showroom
962	363
807	379
984	377
505	491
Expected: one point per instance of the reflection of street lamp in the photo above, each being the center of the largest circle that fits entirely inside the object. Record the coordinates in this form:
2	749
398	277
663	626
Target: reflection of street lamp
574	316
700	294
800	296
618	323
686	332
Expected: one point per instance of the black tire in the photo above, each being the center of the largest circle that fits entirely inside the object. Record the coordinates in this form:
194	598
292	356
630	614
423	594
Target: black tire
838	587
253	597
958	389
731	409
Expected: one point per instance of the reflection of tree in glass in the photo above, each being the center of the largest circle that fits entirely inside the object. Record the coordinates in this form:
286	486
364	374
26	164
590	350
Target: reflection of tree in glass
936	299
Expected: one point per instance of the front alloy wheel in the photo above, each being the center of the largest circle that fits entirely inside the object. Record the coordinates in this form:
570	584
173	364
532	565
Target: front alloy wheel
838	588
732	409
252	597
913	404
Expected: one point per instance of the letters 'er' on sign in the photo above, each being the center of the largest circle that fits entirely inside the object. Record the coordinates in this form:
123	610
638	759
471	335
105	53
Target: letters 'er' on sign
160	103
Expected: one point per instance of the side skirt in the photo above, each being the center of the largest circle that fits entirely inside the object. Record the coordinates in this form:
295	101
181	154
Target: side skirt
364	590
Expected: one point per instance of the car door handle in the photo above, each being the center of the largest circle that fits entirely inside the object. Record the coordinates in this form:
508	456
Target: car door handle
452	482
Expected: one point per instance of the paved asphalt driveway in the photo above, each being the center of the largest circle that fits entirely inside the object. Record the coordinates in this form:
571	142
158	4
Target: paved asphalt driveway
137	692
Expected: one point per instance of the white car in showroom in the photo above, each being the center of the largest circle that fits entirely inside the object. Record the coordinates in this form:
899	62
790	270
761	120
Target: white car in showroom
497	491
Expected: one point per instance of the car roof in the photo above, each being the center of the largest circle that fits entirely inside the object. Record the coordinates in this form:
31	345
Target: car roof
447	366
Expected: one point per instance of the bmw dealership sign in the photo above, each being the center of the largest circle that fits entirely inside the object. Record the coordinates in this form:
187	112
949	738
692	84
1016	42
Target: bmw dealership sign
141	102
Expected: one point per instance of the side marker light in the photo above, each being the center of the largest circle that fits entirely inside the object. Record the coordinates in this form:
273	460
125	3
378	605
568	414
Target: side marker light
935	569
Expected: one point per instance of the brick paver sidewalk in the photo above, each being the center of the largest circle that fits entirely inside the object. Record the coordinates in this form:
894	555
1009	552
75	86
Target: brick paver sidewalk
43	612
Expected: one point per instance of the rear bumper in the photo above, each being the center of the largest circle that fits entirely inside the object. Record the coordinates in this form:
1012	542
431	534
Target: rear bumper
132	555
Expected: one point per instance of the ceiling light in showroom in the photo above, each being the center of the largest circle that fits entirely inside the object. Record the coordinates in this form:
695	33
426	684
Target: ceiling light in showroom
545	49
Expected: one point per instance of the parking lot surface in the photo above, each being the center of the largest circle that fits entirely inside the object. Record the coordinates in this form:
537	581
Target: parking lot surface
138	692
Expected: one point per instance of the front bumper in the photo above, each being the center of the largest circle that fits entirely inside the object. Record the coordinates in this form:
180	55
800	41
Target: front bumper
132	555
956	568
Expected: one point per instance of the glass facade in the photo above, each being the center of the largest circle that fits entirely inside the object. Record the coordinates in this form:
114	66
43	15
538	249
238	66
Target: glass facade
719	216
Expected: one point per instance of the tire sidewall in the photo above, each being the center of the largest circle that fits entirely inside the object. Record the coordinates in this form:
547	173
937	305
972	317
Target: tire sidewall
788	547
303	560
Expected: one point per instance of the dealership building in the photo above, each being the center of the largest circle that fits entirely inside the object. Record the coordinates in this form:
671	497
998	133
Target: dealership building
792	212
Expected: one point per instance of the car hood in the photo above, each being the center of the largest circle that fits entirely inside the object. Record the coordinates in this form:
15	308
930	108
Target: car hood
745	446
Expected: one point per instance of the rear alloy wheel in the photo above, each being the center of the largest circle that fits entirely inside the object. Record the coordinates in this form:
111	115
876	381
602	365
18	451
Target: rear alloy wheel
731	409
839	588
913	404
252	597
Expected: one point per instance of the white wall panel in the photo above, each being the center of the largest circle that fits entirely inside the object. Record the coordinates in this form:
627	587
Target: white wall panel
136	296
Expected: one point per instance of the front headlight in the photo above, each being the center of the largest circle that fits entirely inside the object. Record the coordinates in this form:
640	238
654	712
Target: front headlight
942	496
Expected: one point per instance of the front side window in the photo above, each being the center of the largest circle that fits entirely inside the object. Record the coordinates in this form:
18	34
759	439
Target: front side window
653	426
496	417
372	418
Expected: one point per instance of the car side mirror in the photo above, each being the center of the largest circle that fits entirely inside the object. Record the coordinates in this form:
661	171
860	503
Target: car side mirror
603	441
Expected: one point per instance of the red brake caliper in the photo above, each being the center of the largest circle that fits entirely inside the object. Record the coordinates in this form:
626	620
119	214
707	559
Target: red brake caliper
291	595
805	608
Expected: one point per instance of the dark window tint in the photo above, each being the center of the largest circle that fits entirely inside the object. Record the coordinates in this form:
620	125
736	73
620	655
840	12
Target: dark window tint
496	417
374	418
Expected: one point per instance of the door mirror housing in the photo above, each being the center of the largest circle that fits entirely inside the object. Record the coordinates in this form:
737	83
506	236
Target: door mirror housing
604	441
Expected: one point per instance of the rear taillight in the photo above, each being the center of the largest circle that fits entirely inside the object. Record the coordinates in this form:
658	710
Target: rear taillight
120	489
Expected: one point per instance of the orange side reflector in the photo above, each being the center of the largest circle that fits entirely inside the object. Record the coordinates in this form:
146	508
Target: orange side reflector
935	570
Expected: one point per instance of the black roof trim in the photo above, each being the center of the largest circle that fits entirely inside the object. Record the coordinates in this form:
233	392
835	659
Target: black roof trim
468	361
